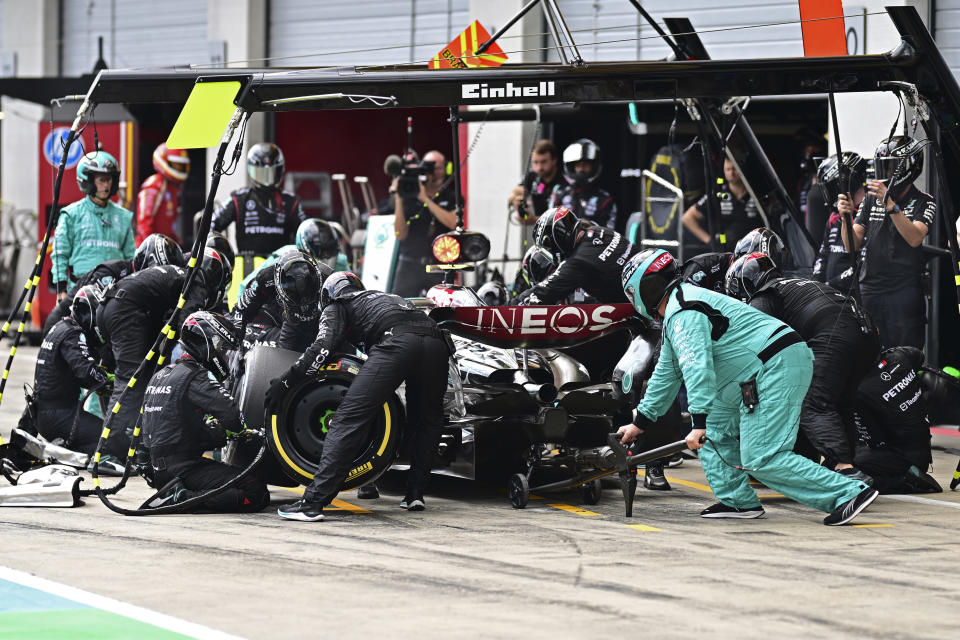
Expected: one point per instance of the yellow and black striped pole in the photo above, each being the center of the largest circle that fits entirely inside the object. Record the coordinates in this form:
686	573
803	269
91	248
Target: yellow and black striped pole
168	333
30	288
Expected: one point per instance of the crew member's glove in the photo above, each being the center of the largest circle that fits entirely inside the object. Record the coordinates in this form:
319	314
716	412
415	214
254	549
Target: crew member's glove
279	387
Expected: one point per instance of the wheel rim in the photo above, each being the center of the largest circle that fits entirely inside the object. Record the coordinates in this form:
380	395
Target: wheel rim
299	432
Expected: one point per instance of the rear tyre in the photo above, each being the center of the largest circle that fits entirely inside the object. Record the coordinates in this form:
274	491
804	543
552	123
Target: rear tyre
590	492
296	433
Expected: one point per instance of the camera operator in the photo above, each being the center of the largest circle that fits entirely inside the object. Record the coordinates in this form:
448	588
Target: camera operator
894	219
541	182
423	209
834	264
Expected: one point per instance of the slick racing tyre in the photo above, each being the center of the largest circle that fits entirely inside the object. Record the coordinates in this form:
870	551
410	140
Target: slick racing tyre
296	433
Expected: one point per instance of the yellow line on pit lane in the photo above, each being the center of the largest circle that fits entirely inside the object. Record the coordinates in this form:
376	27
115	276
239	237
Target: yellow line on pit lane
643	527
573	509
336	505
684	483
870	526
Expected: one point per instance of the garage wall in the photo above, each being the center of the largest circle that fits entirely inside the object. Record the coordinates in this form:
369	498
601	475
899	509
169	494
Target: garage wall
590	19
416	28
136	33
947	32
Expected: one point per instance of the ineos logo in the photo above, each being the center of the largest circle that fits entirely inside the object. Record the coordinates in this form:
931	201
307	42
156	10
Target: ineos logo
537	320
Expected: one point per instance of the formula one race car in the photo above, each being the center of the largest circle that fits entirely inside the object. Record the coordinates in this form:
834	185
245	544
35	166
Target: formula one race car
515	403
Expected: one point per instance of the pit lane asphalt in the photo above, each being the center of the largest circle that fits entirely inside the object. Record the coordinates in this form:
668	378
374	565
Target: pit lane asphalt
472	566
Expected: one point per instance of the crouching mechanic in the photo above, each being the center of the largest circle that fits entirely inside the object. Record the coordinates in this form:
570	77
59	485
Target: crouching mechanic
67	362
187	412
892	425
844	342
403	344
746	376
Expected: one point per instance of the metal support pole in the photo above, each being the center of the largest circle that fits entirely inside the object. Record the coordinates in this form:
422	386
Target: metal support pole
458	189
847	218
551	5
486	45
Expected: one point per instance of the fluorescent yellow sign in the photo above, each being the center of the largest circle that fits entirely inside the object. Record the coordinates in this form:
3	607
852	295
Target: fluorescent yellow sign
205	115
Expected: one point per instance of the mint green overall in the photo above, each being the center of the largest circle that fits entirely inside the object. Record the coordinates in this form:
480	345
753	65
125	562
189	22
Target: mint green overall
760	441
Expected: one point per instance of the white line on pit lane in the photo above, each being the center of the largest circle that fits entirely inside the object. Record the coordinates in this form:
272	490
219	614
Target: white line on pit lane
939	503
104	603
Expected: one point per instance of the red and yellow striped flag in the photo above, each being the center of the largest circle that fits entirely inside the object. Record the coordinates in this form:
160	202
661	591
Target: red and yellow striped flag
459	53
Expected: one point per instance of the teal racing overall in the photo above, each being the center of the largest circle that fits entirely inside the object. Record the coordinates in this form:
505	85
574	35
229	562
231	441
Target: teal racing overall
713	362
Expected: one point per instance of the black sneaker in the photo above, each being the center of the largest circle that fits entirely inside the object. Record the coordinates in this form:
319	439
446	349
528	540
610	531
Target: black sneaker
654	478
856	474
413	501
916	481
851	508
368	492
675	461
108	466
170	493
301	510
721	510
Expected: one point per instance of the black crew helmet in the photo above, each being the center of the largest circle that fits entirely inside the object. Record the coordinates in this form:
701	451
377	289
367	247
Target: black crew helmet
764	241
338	286
218	241
157	250
750	273
898	161
556	231
493	294
84	308
832	183
217	275
537	265
265	164
208	337
318	239
583	149
298	279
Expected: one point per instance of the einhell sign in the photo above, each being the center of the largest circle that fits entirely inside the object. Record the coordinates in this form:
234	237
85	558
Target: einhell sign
507	90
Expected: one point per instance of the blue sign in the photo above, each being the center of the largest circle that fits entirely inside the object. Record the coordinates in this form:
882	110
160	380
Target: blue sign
53	148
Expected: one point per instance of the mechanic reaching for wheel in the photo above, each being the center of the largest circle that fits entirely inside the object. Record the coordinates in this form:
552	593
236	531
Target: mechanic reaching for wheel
93	230
187	411
67	361
746	376
403	345
133	312
291	285
890	226
892	425
845	346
